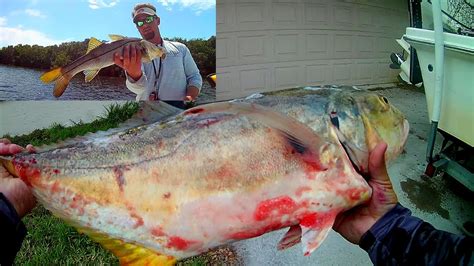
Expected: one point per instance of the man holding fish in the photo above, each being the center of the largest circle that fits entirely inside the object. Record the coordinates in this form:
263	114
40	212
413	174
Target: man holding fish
173	79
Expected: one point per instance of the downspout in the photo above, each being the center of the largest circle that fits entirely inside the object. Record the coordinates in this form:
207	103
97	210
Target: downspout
439	76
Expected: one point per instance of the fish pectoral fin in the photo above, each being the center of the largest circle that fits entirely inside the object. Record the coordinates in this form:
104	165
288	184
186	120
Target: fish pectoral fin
291	238
116	37
93	43
128	254
314	231
312	238
90	74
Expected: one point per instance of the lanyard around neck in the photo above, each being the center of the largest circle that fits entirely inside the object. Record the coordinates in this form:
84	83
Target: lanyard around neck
157	75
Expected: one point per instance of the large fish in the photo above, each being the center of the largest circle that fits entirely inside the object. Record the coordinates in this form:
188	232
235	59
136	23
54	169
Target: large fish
98	56
217	173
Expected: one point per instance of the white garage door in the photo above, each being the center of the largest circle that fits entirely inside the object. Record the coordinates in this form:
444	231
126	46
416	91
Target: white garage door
265	45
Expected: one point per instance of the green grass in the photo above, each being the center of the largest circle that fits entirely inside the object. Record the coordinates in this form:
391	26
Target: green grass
50	241
114	115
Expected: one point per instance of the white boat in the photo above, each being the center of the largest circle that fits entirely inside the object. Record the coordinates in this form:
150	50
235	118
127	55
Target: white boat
457	99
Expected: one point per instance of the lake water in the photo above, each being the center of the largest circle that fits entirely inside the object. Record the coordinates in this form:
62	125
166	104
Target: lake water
22	84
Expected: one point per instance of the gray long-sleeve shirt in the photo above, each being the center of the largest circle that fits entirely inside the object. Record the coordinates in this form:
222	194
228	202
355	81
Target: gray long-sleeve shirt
170	77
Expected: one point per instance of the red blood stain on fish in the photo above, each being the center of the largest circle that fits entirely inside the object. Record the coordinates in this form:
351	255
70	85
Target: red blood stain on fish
274	208
207	122
179	243
56	171
78	203
318	220
157	231
194	111
28	173
139	220
32	161
55	187
312	163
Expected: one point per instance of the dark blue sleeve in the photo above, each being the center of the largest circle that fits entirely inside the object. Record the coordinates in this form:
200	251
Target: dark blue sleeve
12	232
401	239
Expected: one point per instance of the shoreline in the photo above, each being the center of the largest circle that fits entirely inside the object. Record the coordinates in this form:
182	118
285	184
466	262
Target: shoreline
23	117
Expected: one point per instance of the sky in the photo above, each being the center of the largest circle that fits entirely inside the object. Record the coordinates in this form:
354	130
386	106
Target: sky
48	22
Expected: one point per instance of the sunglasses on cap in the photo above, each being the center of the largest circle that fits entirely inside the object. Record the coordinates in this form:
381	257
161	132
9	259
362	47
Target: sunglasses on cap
148	20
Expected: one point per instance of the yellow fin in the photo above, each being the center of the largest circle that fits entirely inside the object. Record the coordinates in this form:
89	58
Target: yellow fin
51	75
128	254
90	74
93	43
116	37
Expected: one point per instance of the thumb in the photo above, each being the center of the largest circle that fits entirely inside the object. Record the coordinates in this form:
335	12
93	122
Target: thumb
377	167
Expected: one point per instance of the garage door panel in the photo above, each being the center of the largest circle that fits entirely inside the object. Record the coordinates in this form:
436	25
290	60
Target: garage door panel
287	76
316	14
342	71
253	79
343	44
318	45
317	74
343	16
286	13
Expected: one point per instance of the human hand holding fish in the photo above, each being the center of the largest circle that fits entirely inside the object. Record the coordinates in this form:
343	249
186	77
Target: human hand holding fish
130	60
353	223
14	189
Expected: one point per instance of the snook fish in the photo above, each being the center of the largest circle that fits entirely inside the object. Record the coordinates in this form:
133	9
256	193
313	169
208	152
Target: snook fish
217	173
98	56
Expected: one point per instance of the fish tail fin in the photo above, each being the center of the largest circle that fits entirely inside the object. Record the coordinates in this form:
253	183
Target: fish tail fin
51	75
7	163
61	85
61	80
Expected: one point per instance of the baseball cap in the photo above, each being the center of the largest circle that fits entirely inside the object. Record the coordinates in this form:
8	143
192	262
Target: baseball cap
138	10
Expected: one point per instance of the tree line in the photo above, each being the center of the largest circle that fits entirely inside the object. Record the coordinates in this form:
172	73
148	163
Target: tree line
35	56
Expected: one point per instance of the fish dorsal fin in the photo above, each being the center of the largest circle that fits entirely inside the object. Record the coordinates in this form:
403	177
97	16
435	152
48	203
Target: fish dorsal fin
128	254
116	37
90	74
152	111
299	136
93	43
